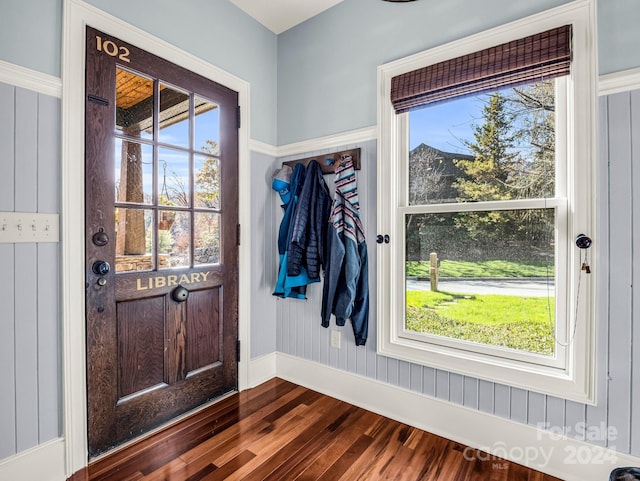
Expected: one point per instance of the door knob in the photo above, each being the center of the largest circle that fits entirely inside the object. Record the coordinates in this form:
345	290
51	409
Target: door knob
180	294
101	268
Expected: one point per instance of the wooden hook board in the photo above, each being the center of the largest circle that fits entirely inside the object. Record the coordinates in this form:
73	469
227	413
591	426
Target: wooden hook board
321	159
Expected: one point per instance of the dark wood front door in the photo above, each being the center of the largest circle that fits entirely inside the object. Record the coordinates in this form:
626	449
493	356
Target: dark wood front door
161	240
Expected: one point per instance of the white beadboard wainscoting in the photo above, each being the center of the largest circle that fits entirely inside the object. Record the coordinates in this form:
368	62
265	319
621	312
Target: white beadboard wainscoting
614	423
30	352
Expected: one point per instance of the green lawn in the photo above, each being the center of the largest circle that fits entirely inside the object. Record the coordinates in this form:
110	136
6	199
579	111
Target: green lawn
496	268
516	322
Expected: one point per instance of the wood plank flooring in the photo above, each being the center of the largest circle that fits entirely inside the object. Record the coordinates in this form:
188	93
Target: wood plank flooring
281	431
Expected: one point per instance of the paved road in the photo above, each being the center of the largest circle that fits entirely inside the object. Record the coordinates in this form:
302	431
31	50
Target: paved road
512	287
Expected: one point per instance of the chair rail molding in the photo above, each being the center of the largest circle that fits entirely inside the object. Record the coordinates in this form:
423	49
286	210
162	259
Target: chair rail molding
619	82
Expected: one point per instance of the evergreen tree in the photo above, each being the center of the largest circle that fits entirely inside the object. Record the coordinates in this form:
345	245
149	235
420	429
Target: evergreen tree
489	175
514	158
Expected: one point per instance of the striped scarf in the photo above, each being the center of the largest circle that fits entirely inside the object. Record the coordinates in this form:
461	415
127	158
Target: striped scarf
345	215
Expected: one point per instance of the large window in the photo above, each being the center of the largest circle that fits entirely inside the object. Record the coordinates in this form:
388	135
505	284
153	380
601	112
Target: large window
485	180
484	220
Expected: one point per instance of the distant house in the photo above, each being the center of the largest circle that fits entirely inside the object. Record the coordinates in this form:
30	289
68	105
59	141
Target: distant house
432	173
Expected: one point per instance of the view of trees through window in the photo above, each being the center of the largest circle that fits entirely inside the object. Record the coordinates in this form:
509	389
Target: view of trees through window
480	255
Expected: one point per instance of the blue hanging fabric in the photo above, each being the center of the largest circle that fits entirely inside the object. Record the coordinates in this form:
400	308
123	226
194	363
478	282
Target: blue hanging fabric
289	196
309	226
346	279
301	239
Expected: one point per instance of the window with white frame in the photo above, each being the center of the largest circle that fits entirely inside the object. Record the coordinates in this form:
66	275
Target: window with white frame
486	158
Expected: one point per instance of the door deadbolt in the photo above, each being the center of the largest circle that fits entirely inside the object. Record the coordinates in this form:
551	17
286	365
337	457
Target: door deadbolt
101	268
180	294
100	238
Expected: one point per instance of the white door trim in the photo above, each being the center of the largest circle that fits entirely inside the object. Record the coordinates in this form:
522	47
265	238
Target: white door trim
77	15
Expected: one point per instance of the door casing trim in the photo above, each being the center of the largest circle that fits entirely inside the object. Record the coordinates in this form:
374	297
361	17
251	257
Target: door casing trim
77	15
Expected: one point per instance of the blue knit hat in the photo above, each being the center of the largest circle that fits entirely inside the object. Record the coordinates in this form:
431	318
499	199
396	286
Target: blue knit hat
280	184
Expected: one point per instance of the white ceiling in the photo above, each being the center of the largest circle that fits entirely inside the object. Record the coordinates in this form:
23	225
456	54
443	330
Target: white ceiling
281	15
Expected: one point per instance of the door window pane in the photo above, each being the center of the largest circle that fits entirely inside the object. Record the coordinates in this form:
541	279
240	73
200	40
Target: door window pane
174	117
207	128
174	238
133	172
207	182
173	178
484	277
206	238
134	240
134	105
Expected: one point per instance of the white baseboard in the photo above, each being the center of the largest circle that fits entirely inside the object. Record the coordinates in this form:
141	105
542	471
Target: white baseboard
262	369
42	463
565	458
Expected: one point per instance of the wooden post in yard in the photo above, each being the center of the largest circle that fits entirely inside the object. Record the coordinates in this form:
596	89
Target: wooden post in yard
433	271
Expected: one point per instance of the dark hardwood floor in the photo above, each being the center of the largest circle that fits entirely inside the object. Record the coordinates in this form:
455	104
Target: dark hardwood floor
280	431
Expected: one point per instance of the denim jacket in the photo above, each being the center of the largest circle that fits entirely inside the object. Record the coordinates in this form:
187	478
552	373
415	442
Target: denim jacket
346	280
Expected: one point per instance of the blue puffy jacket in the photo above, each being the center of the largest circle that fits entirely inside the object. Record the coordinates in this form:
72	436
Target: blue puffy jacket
311	216
295	287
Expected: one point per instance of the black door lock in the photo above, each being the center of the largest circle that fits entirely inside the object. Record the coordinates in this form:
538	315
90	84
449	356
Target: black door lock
101	268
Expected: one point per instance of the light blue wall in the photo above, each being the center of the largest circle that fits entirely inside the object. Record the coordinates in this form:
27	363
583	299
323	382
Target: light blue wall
263	238
31	33
216	31
220	33
618	35
319	76
327	65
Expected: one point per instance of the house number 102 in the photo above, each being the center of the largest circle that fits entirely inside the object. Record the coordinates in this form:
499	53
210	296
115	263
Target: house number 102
110	48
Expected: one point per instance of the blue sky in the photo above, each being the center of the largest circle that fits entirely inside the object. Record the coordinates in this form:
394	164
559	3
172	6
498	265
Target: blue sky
444	125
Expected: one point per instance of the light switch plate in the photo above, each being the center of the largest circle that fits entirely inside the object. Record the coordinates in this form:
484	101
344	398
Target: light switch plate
29	227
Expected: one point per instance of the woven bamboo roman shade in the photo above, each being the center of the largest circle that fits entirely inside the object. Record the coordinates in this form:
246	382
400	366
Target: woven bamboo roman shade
543	55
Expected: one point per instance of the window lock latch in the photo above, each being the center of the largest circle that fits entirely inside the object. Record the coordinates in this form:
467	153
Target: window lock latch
383	238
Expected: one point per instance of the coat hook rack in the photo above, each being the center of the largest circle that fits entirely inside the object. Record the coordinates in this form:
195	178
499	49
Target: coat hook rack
328	168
